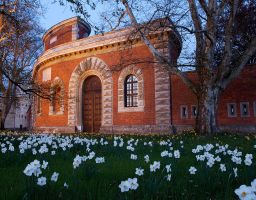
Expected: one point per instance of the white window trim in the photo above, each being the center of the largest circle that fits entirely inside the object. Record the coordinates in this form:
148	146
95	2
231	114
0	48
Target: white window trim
228	109
193	106
241	109
47	74
181	111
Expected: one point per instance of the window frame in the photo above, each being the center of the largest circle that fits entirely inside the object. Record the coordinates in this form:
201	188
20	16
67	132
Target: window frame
47	74
138	73
57	83
133	95
229	111
241	109
38	105
192	111
181	112
55	99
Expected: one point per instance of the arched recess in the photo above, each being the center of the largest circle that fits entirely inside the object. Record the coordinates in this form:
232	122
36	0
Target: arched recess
88	67
137	72
57	83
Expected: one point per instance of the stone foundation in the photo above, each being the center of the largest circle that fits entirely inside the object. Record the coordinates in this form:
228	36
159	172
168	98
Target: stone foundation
56	129
239	128
137	129
116	129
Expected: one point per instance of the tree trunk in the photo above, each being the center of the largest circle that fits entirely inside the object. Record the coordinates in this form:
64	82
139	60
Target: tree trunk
2	124
206	120
200	120
211	105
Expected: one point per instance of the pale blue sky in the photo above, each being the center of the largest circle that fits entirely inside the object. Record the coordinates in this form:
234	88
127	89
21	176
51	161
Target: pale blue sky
54	13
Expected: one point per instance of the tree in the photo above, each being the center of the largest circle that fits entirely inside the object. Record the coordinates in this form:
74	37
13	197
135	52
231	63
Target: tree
221	50
20	46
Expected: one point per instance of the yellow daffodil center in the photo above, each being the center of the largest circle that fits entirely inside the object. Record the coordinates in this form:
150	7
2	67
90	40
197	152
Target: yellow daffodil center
243	194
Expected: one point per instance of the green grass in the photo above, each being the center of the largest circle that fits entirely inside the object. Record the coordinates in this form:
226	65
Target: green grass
101	181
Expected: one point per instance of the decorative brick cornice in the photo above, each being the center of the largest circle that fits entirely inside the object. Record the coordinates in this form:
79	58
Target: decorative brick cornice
90	44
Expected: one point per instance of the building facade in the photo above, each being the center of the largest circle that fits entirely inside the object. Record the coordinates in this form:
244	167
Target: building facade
19	115
111	83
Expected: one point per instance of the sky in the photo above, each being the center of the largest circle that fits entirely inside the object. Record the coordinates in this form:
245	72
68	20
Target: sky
54	13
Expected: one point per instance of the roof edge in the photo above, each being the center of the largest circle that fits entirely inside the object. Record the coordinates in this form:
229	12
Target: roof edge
76	18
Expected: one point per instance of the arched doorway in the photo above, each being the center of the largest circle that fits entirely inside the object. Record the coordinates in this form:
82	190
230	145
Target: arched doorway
91	104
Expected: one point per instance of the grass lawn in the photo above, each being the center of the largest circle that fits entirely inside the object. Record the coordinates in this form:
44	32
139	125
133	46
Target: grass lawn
222	164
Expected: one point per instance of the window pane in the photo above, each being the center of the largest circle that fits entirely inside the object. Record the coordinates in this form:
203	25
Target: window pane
131	90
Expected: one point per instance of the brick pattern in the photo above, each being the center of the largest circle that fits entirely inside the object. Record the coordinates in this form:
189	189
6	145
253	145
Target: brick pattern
162	85
88	67
137	72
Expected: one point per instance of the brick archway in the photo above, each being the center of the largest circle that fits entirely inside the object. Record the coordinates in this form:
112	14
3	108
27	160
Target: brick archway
88	67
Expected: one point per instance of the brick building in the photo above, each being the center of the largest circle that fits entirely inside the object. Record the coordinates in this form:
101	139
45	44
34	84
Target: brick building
108	83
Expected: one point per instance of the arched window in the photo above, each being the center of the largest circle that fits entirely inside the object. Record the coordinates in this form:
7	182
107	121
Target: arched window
56	99
39	102
131	91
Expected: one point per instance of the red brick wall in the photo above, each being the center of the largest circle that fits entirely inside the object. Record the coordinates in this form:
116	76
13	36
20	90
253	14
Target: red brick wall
181	95
63	33
112	59
242	89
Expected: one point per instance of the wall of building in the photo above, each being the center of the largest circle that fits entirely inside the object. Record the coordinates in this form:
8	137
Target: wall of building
63	35
241	90
18	116
64	69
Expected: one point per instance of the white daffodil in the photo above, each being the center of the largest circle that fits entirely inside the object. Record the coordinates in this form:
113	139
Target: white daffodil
192	170
124	186
45	164
164	153
65	185
33	168
169	177
99	160
223	167
253	184
41	181
168	168
176	154
134	157
139	171
155	166
133	183
77	161
54	177
243	192
146	158
91	155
